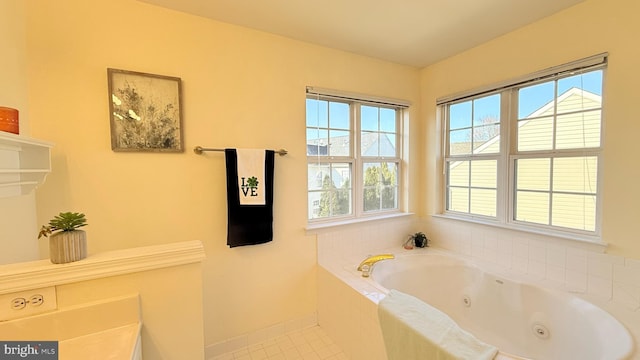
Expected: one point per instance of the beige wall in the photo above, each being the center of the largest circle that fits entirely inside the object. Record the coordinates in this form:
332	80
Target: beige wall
17	214
172	322
595	26
241	88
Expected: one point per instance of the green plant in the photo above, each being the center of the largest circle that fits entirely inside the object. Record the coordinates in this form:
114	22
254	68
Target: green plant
419	239
65	221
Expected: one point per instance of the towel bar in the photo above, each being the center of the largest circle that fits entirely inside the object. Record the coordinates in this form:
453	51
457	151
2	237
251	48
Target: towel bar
199	150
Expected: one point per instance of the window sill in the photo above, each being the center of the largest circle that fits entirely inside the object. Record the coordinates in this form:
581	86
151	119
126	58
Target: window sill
327	226
584	239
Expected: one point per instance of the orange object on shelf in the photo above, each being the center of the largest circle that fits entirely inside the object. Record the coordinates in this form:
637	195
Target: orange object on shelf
9	121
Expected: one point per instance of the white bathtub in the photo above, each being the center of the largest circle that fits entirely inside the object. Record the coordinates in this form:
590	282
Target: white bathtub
518	318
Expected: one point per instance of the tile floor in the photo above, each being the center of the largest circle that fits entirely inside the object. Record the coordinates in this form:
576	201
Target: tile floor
307	344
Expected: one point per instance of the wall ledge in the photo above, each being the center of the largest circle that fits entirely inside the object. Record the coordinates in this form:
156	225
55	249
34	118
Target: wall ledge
42	273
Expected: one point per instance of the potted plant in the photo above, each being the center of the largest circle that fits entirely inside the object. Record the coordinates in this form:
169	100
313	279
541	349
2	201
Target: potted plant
418	239
68	244
409	244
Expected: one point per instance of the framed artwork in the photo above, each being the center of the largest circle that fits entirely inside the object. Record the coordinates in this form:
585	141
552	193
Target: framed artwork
145	112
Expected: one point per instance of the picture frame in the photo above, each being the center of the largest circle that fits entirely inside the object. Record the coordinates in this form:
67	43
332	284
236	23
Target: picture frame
145	112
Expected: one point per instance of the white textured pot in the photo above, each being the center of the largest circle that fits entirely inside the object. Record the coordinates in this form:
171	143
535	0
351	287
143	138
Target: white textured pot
68	246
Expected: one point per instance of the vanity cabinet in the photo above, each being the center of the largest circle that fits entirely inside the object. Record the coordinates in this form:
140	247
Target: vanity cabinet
24	163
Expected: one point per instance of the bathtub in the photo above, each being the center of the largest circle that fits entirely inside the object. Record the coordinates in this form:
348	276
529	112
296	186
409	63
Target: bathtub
521	319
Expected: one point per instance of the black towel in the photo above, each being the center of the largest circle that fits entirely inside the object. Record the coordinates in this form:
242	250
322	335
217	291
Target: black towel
248	224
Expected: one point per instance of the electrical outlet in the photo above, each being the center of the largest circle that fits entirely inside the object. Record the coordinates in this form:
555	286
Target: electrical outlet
27	303
18	303
36	300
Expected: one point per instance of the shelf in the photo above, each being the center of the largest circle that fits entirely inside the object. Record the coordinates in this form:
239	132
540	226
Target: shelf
18	141
21	183
42	273
24	164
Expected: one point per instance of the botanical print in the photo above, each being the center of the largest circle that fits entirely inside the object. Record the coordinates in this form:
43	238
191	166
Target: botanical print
145	112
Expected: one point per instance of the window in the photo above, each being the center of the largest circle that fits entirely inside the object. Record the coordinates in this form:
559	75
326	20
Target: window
353	154
474	149
528	153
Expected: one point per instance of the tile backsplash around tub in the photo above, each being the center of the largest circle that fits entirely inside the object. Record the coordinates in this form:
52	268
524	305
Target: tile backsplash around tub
358	240
569	265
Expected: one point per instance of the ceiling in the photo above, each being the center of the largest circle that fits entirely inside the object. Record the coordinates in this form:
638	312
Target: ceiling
411	32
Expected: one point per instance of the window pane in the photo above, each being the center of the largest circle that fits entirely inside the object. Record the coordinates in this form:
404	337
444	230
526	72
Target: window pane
328	176
316	174
574	211
575	174
378	133
578	130
484	173
486	110
388	145
371	199
590	82
312	134
339	115
314	142
329	190
369	118
570	174
317	140
388	120
458	173
460	142
341	175
328	125
486	139
483	134
340	145
380	186
532	207
483	202
533	174
536	100
476	189
458	199
389	191
389	197
460	115
535	134
343	199
317	113
369	142
575	99
371	183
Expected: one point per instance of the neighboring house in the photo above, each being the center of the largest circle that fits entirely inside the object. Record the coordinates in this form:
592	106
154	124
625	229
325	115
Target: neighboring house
315	149
575	128
371	142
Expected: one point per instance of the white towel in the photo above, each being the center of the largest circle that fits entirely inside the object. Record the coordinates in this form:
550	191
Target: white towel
413	329
251	185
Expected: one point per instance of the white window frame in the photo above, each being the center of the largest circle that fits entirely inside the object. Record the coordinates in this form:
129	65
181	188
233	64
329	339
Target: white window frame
499	157
505	212
356	159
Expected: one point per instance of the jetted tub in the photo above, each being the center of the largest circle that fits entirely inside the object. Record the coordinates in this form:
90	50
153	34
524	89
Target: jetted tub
522	320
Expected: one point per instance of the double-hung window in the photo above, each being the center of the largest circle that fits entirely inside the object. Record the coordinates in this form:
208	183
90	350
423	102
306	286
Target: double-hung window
528	153
353	155
473	155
